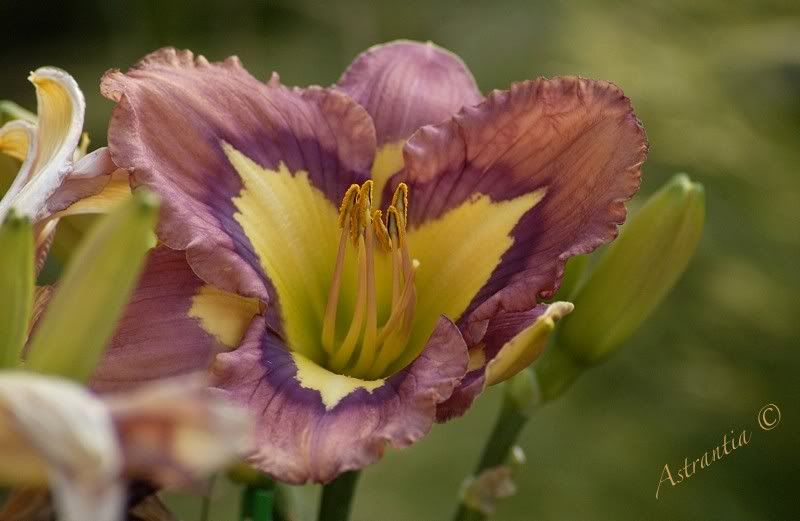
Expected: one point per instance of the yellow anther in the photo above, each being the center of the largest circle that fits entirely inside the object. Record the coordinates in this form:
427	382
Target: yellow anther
400	201
381	232
348	203
365	201
367	350
395	225
362	215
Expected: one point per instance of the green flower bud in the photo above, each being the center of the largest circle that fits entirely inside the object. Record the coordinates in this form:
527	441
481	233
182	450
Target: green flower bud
90	298
636	272
16	286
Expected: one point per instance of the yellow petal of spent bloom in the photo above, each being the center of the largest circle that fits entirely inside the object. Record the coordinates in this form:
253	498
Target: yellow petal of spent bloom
177	431
48	159
54	430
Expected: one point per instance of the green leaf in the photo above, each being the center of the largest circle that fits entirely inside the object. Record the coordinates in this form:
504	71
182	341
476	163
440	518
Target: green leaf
636	272
10	111
16	286
92	295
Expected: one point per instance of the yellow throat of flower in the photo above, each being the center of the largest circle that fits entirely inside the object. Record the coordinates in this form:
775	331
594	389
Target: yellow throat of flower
365	349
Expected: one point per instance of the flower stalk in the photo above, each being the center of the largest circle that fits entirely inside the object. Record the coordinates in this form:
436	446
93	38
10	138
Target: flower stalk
337	497
628	283
257	502
521	398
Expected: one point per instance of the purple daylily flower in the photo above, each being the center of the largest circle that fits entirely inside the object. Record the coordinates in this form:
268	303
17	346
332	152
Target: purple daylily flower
365	249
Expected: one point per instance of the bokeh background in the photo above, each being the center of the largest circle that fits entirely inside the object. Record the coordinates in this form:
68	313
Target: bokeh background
717	85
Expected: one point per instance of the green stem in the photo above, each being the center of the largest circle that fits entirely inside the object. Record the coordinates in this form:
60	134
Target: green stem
524	394
205	504
257	502
504	436
337	497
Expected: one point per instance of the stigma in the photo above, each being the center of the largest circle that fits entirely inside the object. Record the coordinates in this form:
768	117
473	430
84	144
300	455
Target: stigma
366	349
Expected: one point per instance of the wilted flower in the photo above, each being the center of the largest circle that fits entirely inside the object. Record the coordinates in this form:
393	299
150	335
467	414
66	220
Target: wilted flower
53	430
55	171
392	272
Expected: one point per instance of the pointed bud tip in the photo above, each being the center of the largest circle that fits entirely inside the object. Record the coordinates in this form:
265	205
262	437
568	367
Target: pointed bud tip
146	200
637	271
682	184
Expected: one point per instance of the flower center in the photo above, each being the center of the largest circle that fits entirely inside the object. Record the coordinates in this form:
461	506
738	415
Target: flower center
364	349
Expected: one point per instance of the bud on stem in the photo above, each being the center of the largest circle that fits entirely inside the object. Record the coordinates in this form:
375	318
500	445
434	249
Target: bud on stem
637	271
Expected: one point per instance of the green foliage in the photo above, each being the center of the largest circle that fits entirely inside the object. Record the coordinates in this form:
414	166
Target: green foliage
92	294
10	110
16	286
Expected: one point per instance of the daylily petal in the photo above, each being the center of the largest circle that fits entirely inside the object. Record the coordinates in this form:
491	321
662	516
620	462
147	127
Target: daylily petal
573	139
174	324
27	504
113	190
54	427
405	85
47	182
313	424
95	185
58	131
523	348
172	432
178	431
18	140
180	123
501	329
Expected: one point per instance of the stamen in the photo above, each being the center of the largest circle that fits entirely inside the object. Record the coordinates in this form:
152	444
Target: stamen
397	261
380	348
381	232
365	203
329	322
367	354
395	224
397	338
342	355
348	202
394	319
400	201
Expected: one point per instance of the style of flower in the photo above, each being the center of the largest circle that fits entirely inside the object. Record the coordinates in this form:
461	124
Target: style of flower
365	250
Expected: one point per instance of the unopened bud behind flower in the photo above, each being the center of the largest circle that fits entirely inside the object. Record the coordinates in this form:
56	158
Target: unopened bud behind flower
636	272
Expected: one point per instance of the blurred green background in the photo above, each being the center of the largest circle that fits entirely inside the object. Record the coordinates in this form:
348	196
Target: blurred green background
717	85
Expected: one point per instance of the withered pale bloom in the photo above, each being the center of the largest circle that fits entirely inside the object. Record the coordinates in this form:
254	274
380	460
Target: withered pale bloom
384	238
56	176
54	431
